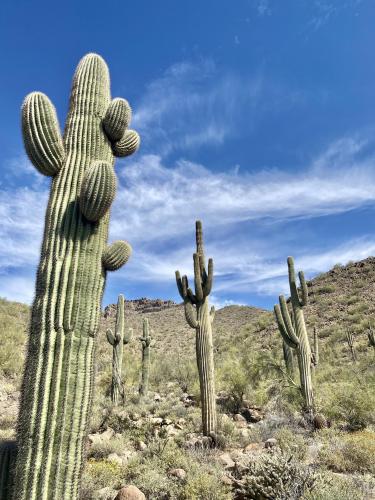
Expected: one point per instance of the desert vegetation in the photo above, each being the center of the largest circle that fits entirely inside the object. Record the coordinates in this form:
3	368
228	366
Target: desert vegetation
241	403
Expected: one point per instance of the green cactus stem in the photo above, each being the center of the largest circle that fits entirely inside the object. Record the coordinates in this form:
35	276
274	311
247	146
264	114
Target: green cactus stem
8	453
118	339
350	340
371	337
294	333
146	351
200	317
57	389
315	351
288	359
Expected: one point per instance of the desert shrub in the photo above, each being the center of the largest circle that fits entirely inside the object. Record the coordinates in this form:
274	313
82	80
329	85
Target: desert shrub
351	403
330	486
275	476
291	443
205	486
325	289
350	453
101	473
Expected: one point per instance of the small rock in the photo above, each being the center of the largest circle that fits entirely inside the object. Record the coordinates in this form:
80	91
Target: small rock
179	473
239	418
226	480
116	459
254	448
140	446
156	420
130	493
106	493
226	461
251	415
171	430
157	397
107	434
270	443
167	421
134	416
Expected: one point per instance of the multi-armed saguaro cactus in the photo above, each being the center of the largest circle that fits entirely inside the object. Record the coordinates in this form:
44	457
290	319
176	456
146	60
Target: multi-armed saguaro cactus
146	348
199	316
117	340
8	452
295	334
57	386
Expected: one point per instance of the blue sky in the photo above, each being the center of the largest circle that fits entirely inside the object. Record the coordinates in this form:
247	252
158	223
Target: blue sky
257	117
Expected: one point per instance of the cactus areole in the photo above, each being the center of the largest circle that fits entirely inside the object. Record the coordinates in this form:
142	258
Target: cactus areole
199	316
57	387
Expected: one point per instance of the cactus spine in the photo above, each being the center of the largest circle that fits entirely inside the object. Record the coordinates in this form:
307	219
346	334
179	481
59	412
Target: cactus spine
117	340
146	348
200	317
295	333
350	341
8	453
57	388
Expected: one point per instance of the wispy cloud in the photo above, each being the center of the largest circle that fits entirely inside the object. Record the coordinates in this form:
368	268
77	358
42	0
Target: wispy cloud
193	104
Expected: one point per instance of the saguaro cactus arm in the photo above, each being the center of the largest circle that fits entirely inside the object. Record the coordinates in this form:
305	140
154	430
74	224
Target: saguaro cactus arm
285	323
111	337
41	134
302	301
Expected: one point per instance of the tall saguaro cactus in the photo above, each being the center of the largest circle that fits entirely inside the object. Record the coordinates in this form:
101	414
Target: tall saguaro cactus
295	333
200	317
57	388
146	361
315	351
117	340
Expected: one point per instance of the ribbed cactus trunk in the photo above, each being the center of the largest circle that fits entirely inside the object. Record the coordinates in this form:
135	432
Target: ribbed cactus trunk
57	387
350	341
294	333
8	453
146	359
288	359
117	341
200	317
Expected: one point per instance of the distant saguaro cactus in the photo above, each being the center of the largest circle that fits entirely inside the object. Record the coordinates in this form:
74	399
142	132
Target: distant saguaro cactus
146	361
199	316
117	340
350	340
295	334
57	389
371	337
8	453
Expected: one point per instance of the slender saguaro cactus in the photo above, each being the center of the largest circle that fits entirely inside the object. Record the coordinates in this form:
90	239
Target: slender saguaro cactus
57	390
371	337
315	352
8	452
295	334
146	348
288	359
117	341
199	316
350	341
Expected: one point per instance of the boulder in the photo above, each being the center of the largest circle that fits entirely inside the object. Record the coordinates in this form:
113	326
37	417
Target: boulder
130	492
179	473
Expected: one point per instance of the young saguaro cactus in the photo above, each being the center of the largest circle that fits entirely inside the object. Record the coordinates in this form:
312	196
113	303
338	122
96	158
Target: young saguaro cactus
371	337
146	361
57	389
118	339
350	340
295	333
200	317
